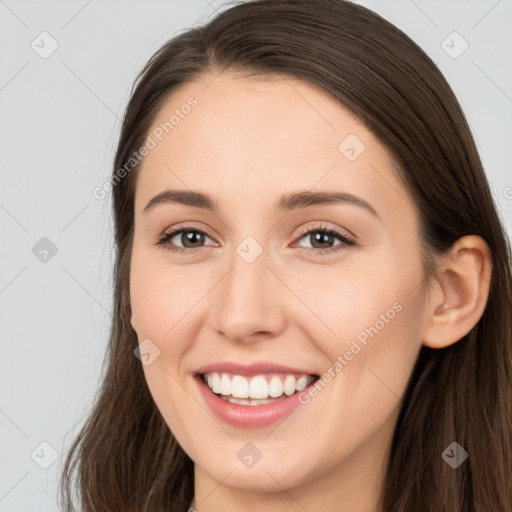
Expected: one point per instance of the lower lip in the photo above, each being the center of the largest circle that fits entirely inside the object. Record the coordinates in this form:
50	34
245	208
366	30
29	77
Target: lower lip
248	415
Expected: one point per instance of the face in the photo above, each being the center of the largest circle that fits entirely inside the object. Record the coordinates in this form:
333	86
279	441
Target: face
260	294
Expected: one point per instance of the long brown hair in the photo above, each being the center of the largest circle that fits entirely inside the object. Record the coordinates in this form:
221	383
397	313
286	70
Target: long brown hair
125	457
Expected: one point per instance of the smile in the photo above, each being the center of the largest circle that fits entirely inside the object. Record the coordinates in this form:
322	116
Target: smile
255	396
256	390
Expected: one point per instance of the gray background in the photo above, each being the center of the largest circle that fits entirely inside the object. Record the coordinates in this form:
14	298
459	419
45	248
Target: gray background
58	129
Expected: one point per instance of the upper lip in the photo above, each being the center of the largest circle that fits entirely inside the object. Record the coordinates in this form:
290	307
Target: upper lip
251	369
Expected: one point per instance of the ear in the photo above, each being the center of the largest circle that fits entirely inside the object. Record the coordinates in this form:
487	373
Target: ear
459	298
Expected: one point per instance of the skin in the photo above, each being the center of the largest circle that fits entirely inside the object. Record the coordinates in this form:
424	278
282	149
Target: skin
247	142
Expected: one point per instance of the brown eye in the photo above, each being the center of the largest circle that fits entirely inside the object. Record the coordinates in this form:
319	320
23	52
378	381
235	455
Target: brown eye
192	239
323	240
184	238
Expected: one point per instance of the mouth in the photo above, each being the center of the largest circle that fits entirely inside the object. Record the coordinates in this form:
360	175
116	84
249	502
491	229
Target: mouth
252	399
258	389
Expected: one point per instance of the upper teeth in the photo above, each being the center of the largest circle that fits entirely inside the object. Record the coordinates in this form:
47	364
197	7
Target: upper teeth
259	386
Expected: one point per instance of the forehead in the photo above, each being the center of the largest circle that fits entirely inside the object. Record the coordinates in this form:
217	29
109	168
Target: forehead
248	138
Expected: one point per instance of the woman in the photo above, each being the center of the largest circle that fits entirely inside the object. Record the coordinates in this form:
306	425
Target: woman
311	270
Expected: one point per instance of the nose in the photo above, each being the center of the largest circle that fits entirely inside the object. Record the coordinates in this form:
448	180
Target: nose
250	302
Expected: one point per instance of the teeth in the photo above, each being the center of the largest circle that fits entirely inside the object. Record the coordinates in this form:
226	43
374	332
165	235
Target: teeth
257	390
275	387
245	401
239	387
258	387
289	385
301	383
215	385
225	385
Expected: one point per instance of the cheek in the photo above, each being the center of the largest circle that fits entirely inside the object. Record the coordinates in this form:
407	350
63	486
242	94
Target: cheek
371	356
356	303
160	299
161	303
372	334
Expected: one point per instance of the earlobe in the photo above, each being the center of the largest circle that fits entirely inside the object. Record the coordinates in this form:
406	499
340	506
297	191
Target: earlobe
464	276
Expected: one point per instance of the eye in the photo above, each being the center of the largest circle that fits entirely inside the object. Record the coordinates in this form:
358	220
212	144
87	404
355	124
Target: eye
193	238
189	236
321	239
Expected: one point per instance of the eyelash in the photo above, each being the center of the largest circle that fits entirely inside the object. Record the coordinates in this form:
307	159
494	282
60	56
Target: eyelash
346	242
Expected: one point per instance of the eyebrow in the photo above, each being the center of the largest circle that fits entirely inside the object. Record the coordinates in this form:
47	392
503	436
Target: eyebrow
287	202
